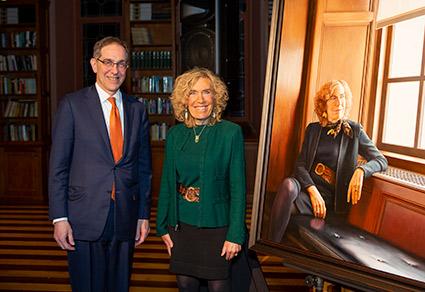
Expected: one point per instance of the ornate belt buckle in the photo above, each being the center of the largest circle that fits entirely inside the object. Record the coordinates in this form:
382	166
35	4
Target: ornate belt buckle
191	195
319	169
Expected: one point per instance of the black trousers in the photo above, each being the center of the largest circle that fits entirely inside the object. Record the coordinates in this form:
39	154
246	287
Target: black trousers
101	265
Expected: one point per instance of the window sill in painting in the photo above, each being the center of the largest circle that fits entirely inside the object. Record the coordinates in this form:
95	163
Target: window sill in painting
407	162
403	177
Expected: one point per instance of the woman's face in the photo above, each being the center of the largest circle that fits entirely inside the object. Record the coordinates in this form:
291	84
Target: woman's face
335	105
201	99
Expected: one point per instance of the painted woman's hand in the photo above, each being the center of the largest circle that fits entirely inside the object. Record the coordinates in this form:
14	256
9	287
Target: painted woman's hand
355	187
317	202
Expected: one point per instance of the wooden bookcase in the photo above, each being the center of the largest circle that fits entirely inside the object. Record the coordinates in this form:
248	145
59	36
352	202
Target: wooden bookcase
24	99
150	33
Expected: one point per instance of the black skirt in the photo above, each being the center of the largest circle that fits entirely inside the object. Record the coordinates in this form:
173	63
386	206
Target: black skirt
196	252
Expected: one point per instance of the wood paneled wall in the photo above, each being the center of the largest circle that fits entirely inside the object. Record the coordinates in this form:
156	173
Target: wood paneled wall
288	99
62	47
341	49
23	179
393	212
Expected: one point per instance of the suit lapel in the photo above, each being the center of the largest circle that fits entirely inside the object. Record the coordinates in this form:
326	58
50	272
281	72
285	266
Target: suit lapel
342	150
315	144
128	116
96	113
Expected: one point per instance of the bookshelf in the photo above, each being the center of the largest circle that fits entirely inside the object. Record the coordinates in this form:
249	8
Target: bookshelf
150	33
152	44
24	118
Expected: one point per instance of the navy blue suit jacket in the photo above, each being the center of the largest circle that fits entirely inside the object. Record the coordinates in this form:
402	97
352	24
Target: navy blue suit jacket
82	168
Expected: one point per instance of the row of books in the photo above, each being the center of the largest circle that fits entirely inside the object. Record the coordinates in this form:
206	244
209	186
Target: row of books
140	36
151	59
15	86
21	108
18	39
18	63
18	132
15	15
157	106
159	131
150	11
152	84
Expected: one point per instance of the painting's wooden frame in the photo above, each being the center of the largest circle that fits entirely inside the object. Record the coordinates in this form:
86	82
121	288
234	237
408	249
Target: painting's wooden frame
331	269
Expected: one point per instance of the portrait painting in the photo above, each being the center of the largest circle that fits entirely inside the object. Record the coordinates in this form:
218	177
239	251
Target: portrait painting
370	239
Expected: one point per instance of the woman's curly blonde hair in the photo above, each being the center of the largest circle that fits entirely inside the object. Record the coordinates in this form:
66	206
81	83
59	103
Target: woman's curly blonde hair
325	93
184	84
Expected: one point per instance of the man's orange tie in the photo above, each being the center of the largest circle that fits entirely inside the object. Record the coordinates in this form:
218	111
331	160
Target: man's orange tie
115	135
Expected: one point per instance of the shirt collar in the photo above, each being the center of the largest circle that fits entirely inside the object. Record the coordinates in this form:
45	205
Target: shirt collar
103	95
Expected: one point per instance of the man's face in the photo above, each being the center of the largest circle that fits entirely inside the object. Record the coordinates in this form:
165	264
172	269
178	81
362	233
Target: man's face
109	67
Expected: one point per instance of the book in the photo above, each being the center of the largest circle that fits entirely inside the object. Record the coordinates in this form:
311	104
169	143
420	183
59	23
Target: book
145	11
12	15
140	36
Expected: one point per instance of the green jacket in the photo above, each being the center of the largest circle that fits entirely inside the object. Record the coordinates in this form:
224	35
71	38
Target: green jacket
222	180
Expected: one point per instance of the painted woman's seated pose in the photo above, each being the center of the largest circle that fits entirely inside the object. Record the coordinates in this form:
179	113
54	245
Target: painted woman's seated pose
327	177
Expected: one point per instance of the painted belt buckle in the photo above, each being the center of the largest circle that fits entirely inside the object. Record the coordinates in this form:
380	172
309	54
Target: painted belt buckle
320	169
191	194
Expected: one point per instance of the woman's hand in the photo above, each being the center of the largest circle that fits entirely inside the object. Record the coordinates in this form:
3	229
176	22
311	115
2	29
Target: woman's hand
355	187
168	242
317	202
230	249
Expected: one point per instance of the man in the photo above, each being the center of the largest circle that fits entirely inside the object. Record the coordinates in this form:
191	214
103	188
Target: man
100	175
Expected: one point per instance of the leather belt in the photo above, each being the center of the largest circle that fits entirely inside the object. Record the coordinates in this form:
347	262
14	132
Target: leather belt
190	194
325	172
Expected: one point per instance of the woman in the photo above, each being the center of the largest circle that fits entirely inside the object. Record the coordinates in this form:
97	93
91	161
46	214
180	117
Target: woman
201	205
327	176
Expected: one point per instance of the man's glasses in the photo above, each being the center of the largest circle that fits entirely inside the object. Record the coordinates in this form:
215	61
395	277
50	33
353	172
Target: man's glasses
109	64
